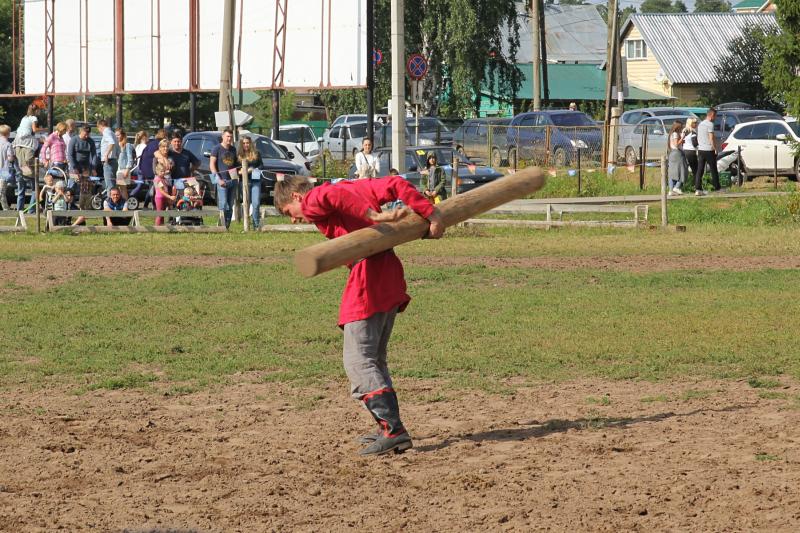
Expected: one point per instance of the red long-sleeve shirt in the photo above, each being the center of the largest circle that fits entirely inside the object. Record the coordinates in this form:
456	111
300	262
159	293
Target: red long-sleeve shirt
376	284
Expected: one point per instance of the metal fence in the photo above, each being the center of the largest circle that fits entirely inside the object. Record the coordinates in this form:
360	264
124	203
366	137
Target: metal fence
563	147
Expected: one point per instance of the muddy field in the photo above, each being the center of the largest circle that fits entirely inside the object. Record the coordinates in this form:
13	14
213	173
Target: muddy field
589	455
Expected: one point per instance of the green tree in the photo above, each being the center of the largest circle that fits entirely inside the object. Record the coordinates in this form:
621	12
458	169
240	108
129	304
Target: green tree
663	6
781	68
462	41
711	6
738	75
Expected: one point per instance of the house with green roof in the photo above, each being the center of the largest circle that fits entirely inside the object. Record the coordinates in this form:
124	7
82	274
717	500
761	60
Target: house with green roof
754	6
567	82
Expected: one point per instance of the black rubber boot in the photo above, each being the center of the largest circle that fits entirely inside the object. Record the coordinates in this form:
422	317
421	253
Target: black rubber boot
394	437
369	438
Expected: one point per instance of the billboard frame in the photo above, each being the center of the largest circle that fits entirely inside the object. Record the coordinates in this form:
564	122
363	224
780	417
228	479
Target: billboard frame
278	78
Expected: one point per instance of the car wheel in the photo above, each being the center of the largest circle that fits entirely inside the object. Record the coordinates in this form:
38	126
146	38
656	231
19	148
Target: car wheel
631	158
460	150
512	157
496	159
132	203
797	169
560	157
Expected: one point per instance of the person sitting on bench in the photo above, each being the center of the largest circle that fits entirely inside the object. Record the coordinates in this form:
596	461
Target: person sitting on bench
115	202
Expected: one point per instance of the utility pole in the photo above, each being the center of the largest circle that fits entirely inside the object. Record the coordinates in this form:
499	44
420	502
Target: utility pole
370	70
226	70
543	54
611	60
537	66
398	86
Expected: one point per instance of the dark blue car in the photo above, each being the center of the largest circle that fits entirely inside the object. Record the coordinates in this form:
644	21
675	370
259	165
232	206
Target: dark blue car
553	137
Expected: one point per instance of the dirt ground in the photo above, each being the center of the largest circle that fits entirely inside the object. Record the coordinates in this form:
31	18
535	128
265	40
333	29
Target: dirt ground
580	456
50	271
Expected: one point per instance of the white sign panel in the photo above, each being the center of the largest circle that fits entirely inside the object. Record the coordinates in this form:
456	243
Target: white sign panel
325	45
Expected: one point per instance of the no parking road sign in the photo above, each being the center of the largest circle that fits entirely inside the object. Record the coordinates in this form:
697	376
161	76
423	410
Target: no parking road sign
417	67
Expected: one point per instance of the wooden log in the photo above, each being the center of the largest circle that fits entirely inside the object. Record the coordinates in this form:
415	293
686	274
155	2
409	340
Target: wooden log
371	240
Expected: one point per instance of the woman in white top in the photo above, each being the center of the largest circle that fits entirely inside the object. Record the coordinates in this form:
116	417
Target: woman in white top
367	164
676	164
139	144
690	144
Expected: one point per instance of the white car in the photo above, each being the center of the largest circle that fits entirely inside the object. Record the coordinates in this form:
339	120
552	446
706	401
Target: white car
344	141
292	151
302	136
761	141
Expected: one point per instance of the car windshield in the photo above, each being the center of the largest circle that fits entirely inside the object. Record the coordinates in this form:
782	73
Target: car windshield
427	125
297	135
765	115
573	118
268	149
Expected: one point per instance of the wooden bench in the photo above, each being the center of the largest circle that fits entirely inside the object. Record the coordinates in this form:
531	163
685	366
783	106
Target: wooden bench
20	224
136	221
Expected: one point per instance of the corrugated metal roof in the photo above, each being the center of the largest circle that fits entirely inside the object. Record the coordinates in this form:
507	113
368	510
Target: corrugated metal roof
574	34
689	45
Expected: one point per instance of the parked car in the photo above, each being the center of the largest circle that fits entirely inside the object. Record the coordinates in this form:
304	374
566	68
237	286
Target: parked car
561	132
629	120
293	152
727	119
657	129
759	142
345	140
349	119
274	162
470	175
431	131
303	137
479	138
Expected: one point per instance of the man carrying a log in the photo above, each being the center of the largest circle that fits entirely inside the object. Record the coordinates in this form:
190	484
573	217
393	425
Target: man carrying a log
376	288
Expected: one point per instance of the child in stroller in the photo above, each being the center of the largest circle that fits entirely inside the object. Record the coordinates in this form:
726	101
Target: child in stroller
190	200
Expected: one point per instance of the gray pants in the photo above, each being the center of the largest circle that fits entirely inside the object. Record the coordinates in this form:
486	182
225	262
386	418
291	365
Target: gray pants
365	344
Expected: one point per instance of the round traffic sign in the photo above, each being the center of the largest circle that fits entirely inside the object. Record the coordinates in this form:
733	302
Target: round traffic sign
417	66
377	57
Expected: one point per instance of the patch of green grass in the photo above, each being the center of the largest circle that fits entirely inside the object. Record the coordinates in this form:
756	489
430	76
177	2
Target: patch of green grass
763	383
772	395
653	399
694	394
126	381
474	325
602	400
767	457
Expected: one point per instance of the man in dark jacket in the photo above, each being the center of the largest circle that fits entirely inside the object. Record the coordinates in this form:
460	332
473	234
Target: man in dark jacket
82	158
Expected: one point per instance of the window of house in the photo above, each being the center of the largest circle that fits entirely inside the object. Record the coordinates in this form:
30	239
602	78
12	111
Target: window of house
635	49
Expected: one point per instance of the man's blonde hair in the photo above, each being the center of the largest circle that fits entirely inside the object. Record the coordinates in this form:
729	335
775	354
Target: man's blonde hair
288	185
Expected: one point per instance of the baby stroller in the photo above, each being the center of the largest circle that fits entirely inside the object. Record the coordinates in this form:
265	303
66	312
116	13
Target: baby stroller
101	193
190	200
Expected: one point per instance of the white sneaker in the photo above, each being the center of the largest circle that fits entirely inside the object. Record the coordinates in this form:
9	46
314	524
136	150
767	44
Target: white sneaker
670	193
699	193
677	191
